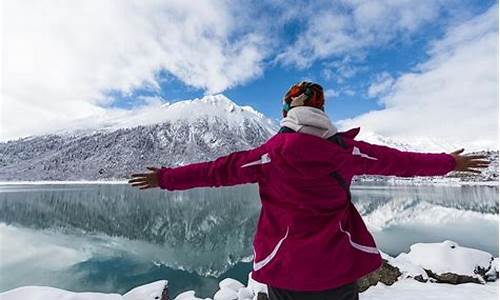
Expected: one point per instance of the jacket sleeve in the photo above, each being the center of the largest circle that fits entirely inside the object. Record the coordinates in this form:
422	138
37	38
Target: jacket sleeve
236	168
370	159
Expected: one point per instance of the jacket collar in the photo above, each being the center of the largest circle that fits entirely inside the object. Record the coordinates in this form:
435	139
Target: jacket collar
309	120
314	121
351	133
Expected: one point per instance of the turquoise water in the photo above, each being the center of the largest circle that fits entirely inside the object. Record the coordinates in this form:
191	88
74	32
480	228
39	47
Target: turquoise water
110	237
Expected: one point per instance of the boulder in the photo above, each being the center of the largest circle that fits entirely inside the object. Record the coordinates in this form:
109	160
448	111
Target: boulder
262	296
448	262
387	274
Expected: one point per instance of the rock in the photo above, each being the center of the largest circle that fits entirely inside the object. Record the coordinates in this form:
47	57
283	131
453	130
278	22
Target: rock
407	268
492	273
387	274
232	284
453	278
262	296
226	294
481	275
421	278
448	262
449	257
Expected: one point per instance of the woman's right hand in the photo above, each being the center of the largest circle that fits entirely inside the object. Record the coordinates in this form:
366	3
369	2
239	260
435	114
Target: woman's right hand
469	163
145	180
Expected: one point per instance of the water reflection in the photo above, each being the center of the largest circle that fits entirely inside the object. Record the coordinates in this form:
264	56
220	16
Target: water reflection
112	237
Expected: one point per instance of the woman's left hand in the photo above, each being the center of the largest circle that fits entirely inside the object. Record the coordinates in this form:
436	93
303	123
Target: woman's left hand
145	180
469	163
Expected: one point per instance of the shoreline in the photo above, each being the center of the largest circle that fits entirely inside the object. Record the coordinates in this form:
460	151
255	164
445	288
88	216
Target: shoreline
355	184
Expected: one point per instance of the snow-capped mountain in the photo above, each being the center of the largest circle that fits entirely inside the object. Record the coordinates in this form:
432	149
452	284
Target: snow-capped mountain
116	145
434	145
209	107
428	143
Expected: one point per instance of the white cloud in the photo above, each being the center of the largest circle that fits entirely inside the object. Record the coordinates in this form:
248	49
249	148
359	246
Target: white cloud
331	93
349	92
341	70
61	57
345	90
351	26
452	97
383	83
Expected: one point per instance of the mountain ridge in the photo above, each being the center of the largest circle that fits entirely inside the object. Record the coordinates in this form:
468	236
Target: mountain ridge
165	134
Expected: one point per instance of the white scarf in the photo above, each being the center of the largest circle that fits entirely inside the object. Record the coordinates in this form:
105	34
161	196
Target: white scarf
310	120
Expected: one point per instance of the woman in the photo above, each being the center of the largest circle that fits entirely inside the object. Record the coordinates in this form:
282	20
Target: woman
311	242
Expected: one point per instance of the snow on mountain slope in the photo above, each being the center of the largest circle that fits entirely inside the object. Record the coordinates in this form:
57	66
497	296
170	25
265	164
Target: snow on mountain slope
426	143
434	145
120	143
212	106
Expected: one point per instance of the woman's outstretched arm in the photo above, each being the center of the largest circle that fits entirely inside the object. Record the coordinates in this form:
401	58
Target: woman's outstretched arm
371	159
236	168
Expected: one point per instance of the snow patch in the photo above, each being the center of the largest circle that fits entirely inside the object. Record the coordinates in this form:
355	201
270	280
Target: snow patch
151	291
446	257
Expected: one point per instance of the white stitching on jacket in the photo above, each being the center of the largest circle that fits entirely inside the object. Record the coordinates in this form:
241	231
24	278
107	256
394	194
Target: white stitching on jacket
262	263
356	151
363	248
264	159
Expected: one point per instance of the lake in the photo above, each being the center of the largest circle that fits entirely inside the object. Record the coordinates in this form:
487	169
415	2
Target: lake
111	237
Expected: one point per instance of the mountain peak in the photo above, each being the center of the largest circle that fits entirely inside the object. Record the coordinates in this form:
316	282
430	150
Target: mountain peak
209	106
207	103
217	99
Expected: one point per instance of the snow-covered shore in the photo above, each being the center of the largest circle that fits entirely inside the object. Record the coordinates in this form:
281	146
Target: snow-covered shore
421	274
42	182
408	289
392	181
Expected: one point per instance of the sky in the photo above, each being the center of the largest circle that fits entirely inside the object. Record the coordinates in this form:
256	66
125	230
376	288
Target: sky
409	68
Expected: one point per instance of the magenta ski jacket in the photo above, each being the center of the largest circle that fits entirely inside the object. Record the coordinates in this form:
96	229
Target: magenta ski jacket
309	236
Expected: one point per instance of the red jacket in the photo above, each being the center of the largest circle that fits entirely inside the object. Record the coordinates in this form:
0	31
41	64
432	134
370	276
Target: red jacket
309	237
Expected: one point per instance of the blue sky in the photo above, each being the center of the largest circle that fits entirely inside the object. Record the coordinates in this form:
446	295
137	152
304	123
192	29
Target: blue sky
399	55
395	68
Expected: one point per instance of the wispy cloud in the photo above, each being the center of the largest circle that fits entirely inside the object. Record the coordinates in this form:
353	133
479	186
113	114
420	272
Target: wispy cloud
348	27
382	85
451	97
331	93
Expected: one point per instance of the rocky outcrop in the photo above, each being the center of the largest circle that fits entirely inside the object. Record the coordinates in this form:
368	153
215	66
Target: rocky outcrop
445	262
387	274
